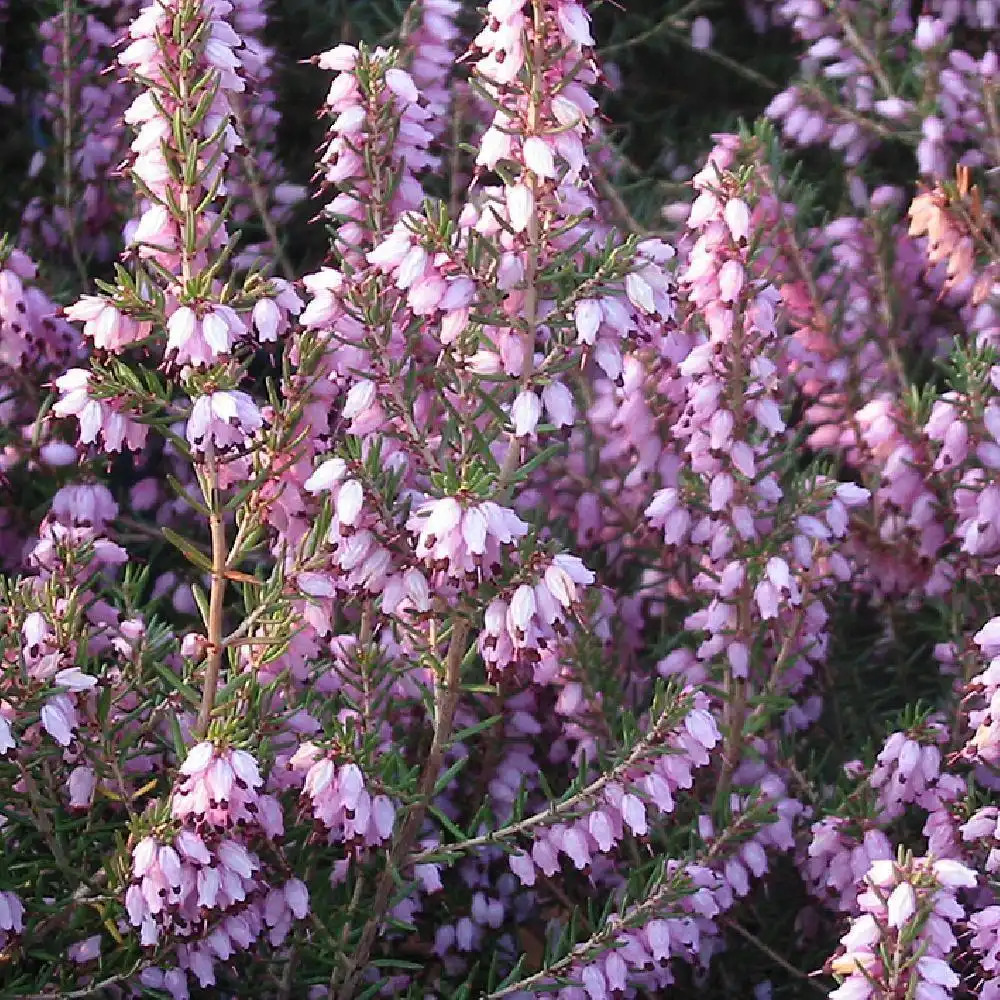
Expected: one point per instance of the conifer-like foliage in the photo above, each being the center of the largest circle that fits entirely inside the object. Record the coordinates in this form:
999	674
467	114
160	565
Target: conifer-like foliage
500	502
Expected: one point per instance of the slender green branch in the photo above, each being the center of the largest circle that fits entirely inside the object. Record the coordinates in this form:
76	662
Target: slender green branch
558	810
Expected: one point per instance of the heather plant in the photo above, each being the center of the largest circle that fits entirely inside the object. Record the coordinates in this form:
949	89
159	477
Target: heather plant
579	582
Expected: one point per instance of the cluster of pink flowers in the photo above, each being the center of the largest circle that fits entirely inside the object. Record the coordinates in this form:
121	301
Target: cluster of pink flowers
852	99
375	106
35	343
905	934
339	800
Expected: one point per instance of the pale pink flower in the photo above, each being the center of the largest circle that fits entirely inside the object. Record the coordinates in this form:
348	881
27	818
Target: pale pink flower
226	419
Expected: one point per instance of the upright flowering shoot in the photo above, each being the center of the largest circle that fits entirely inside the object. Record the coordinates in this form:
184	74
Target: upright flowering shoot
174	341
460	347
82	107
177	313
766	546
377	145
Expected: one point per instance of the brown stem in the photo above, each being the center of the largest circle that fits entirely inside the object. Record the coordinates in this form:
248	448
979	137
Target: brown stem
213	662
734	711
871	59
446	695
